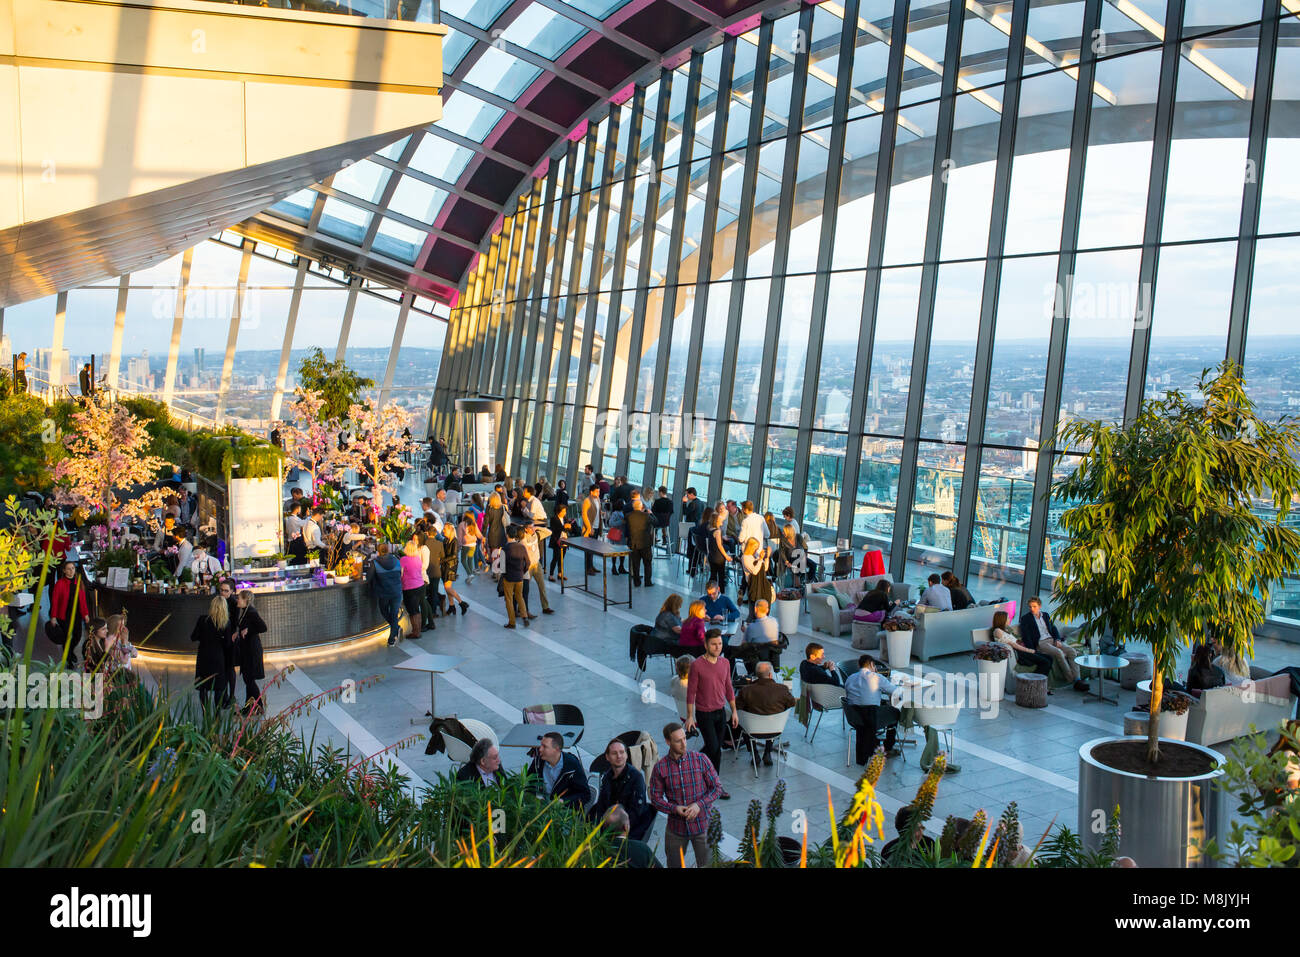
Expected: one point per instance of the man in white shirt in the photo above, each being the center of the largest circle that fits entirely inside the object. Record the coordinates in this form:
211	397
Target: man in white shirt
204	564
752	525
184	550
873	698
936	596
311	532
764	634
533	507
439	504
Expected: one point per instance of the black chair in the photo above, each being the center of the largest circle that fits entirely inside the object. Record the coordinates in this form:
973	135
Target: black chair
843	566
560	714
853	714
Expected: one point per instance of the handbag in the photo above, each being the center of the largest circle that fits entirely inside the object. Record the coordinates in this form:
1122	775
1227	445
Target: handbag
616	535
54	633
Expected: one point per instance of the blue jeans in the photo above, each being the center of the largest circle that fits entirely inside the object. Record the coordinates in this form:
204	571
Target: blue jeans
391	609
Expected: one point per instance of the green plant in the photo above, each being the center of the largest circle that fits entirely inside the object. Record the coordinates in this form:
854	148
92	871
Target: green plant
788	673
27	434
338	386
124	557
1266	784
1165	540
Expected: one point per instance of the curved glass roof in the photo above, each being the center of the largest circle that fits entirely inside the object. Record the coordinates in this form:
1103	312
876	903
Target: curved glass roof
520	77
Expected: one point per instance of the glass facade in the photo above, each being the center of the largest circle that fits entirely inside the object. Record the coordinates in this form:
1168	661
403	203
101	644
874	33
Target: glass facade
242	315
866	257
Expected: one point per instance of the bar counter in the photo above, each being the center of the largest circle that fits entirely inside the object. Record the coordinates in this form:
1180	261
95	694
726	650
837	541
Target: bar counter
300	618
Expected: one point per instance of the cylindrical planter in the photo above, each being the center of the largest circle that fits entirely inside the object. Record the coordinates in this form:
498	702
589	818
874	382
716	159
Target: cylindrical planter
1162	819
1172	726
898	645
992	679
787	616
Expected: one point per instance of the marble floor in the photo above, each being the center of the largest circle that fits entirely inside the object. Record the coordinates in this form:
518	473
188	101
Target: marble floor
579	655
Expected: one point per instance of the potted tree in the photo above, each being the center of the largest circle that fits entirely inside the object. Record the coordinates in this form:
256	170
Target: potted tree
991	666
1171	532
787	610
1174	709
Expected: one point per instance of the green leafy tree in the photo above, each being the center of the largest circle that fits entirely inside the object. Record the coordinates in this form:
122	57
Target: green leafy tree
338	386
1169	542
1265	781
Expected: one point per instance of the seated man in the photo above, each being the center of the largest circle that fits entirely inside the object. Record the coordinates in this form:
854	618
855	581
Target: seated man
558	773
628	850
623	786
1039	633
865	706
937	595
762	636
765	696
718	608
484	765
816	668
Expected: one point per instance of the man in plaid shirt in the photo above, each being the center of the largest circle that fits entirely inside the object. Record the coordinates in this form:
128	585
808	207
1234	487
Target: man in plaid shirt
684	786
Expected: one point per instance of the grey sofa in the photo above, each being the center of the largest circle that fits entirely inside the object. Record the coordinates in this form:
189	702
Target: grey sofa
826	614
940	633
1221	714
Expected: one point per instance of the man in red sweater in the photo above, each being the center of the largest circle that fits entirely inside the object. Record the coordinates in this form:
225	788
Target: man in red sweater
708	691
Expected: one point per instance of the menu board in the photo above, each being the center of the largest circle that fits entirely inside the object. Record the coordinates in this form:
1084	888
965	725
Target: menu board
119	578
255	524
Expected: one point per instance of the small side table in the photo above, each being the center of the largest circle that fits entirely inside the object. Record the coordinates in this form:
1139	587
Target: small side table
1101	664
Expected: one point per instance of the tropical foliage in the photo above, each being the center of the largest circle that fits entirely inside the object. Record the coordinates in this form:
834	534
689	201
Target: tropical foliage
1168	542
338	386
1266	784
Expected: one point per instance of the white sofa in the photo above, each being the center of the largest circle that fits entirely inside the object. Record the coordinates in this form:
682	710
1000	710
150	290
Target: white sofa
826	614
940	633
1221	714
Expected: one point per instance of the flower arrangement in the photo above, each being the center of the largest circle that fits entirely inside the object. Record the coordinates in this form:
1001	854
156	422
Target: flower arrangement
789	594
992	651
395	527
898	624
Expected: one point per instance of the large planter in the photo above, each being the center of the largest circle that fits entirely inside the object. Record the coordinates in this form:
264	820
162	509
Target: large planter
787	616
1162	819
898	646
992	679
1172	726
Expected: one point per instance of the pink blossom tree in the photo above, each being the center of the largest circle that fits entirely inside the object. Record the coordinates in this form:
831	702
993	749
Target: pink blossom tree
106	458
376	439
309	437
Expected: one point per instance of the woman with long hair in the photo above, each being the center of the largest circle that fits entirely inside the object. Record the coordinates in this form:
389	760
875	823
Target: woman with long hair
412	584
212	663
668	623
468	536
755	561
495	531
448	571
248	628
1024	654
718	555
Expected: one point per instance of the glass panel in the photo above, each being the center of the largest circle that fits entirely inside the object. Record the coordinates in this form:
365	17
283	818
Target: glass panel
468	116
542	31
946	410
1189	327
481	13
1015	396
1272	360
873	516
498	72
891	353
417	199
440	157
936	499
909	196
792	351
364	180
839	351
1280	188
398	240
344	220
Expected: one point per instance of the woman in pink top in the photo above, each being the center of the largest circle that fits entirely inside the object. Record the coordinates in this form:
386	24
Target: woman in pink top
692	635
412	584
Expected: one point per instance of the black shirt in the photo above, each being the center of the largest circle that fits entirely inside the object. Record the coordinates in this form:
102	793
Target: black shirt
811	674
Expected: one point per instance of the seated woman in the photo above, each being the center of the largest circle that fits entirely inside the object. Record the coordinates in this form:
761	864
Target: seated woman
1024	654
668	623
691	637
1236	670
1204	673
961	598
879	599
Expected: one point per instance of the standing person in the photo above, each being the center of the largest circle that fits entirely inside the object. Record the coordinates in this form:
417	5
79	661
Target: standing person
755	561
247	632
640	540
413	585
692	514
532	507
448	571
684	785
532	538
512	579
708	691
787	515
718	555
495	530
585	481
561	526
20	373
591	523
432	549
561	496
751	525
468	537
386	585
66	620
211	670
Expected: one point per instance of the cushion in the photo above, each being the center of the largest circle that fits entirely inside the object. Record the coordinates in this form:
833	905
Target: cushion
841	599
860	615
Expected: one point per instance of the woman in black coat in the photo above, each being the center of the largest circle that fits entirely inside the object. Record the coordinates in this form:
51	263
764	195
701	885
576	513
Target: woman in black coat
494	523
213	633
247	629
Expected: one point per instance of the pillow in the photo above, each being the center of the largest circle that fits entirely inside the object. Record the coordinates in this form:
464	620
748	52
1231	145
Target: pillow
860	615
841	598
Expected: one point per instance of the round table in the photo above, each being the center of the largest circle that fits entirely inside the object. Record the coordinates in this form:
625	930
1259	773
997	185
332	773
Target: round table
1101	664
